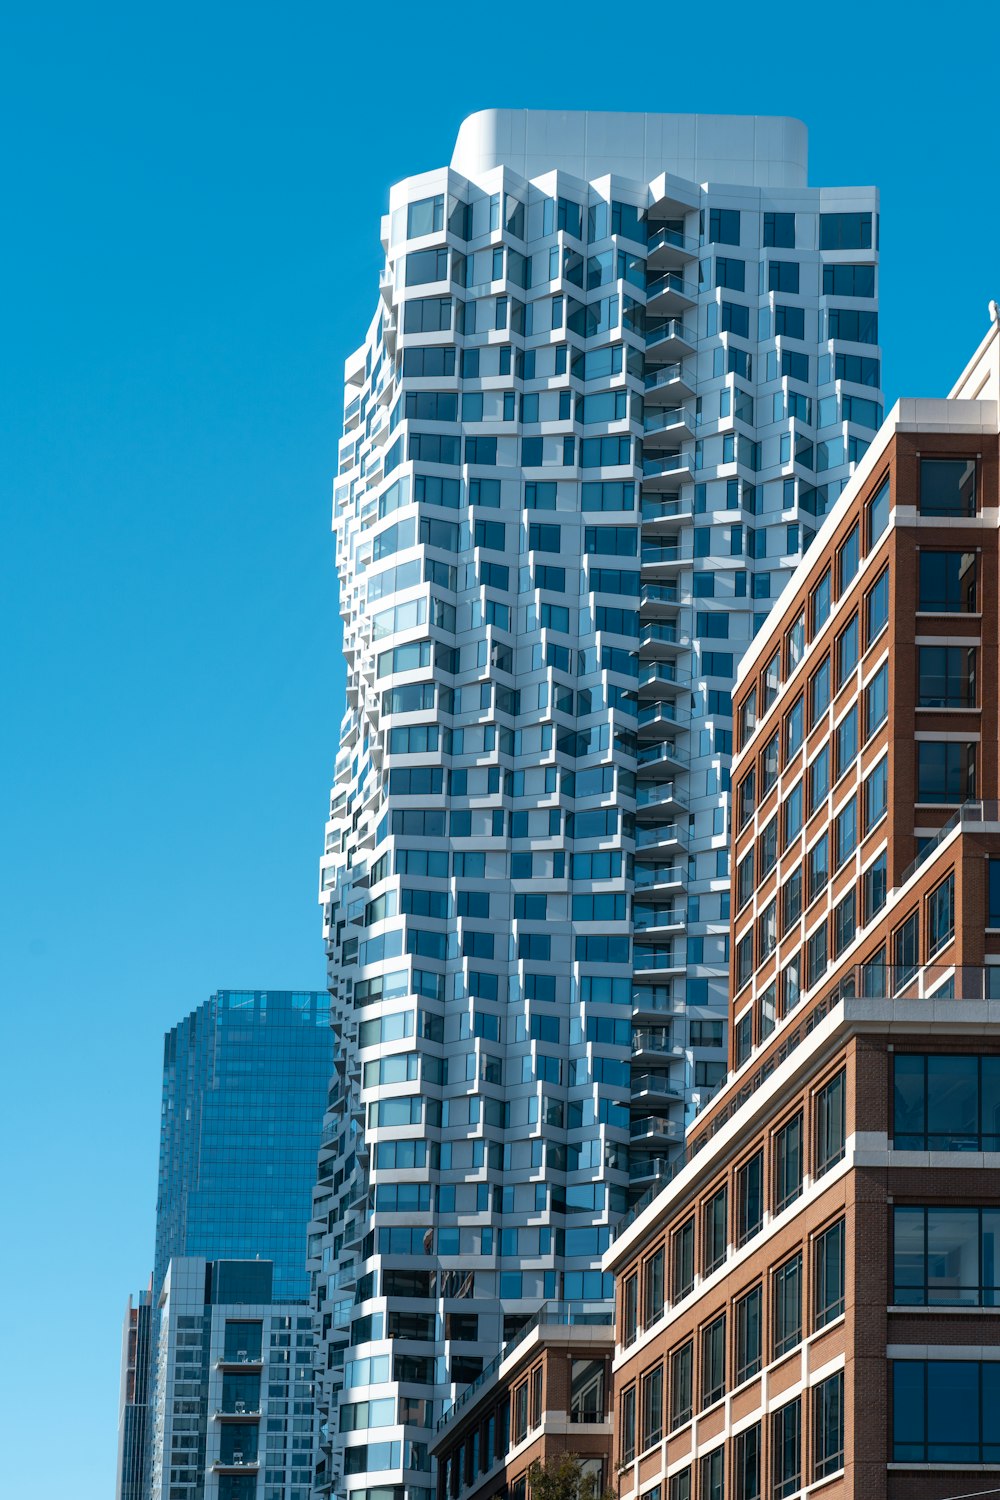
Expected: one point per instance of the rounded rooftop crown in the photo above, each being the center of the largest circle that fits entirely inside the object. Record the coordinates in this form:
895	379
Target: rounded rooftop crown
744	150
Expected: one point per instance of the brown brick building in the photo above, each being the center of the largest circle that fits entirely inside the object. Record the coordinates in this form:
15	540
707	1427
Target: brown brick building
812	1303
547	1394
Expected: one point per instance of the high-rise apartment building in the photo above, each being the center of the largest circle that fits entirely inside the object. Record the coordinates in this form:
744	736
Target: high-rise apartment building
620	367
245	1084
233	1403
811	1301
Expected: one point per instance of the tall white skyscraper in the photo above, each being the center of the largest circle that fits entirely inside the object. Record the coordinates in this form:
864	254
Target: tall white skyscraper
619	367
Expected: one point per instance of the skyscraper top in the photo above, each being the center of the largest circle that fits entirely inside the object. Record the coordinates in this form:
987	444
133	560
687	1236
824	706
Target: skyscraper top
743	150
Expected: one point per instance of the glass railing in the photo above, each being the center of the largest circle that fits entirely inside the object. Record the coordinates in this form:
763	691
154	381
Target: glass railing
663	833
665	375
667	463
653	958
654	919
671	552
665	236
653	796
653	875
969	815
658	508
665	416
662	671
650	1127
652	1039
663	710
653	1083
672	329
666	632
671	282
659	593
667	750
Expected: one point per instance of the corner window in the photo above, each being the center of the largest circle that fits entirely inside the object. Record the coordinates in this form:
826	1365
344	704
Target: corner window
948	487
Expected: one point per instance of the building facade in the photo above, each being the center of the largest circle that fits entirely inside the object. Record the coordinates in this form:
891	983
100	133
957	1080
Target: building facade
812	1301
245	1079
233	1404
546	1395
619	369
245	1085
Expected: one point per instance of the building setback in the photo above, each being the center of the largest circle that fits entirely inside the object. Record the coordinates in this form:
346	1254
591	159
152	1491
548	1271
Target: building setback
620	367
812	1299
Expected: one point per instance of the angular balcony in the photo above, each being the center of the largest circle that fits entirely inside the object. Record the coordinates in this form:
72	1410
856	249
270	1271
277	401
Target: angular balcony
669	295
662	759
668	385
659	510
666	422
656	677
650	1001
667	246
661	641
655	1128
654	1042
669	342
653	801
656	880
657	961
660	601
649	1170
663	838
660	719
668	471
653	1089
654	922
664	558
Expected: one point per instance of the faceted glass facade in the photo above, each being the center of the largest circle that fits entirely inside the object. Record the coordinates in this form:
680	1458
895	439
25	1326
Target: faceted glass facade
245	1080
590	431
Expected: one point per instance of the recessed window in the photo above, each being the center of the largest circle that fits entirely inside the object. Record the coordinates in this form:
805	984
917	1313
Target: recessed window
948	487
946	676
681	1402
786	1449
828	1275
746	1463
818	865
947	582
876	793
750	1197
819	692
652	1407
713	1362
682	1260
711	1475
791	900
878	512
820	603
819	779
946	771
788	1163
771	680
828	1426
848	559
946	1102
748	1335
794	727
831	1126
845	832
714	1217
874	887
846	740
946	1257
792	814
844	923
941	916
847	651
944	1411
877	607
787	1295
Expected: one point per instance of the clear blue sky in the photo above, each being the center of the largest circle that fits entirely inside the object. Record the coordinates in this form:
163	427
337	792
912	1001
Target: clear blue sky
191	200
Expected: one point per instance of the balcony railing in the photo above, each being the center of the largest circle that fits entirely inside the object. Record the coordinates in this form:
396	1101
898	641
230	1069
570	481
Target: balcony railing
672	237
665	375
969	815
673	329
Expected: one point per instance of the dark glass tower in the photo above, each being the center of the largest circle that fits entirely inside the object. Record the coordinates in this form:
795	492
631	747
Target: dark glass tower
245	1080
